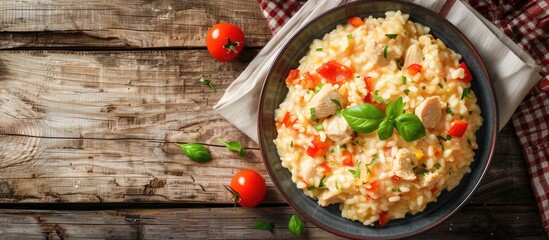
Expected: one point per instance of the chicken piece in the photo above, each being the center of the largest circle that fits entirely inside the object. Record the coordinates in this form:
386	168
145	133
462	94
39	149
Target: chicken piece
430	180
402	164
322	102
308	169
327	198
429	112
337	129
413	55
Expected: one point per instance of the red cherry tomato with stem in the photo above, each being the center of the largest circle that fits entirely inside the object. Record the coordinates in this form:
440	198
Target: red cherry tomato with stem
248	188
225	41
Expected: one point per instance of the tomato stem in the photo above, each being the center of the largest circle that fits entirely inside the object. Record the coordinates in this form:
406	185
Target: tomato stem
234	196
230	46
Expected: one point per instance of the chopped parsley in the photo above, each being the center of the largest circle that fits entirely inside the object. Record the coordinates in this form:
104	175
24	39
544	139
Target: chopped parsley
321	184
449	111
319	127
350	36
356	171
332	150
395	190
403	80
466	93
391	35
318	87
374	161
385	51
337	187
343	146
313	116
319	49
440	85
406	92
292	144
437	166
377	98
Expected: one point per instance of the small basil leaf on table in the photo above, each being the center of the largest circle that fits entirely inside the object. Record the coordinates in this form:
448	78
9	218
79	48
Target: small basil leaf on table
234	146
195	151
409	126
385	129
295	225
363	118
263	226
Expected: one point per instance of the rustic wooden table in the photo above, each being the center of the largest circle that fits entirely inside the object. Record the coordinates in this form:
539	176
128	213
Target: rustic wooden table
93	95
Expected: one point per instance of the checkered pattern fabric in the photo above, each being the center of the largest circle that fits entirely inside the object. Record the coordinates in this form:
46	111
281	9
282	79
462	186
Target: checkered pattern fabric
527	23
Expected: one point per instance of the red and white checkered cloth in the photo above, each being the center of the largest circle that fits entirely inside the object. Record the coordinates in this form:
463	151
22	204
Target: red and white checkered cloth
527	24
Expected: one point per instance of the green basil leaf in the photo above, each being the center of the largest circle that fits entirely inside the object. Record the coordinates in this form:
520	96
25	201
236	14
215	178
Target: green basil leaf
337	103
196	152
363	118
410	127
385	130
295	225
234	146
395	108
263	226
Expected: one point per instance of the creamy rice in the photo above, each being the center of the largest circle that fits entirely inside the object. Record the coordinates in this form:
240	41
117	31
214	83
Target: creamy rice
376	180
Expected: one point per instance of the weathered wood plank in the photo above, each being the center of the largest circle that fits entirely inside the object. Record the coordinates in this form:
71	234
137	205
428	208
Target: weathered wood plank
493	222
124	24
100	127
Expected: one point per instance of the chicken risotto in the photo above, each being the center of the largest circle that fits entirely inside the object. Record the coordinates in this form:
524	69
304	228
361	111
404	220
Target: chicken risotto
379	118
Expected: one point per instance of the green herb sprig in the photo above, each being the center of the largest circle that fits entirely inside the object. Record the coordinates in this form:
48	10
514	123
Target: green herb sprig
195	151
234	146
295	225
205	81
367	118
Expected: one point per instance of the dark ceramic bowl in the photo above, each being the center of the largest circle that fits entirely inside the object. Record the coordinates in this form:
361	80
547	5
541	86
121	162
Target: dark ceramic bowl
274	91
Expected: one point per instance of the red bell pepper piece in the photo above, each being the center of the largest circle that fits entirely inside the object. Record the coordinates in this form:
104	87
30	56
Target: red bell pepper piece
319	148
347	158
292	75
313	80
468	77
287	120
334	72
324	167
355	21
457	128
383	218
413	69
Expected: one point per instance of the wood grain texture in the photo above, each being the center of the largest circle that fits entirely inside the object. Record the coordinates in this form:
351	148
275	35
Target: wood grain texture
124	24
101	127
478	222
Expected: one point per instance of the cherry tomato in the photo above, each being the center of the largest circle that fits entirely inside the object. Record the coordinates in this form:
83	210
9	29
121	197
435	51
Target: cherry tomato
457	128
225	41
248	188
468	77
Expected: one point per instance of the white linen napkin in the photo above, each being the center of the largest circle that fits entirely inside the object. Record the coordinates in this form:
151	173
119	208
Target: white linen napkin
513	71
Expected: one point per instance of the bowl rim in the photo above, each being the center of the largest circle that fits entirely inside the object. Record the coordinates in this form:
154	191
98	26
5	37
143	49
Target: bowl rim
483	71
